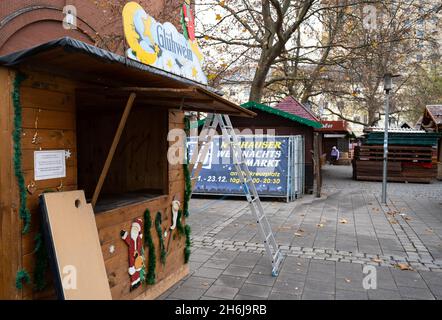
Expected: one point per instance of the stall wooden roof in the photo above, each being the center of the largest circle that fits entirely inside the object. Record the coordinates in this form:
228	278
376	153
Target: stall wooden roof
435	112
281	113
115	77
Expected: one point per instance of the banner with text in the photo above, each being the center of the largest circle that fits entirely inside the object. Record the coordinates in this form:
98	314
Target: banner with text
266	156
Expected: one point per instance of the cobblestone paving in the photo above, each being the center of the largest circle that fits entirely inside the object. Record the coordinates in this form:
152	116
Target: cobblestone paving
327	242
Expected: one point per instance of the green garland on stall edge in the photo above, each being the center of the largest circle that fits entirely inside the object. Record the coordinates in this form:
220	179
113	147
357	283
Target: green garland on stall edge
187	195
150	278
24	213
41	262
179	223
187	179
187	248
158	222
187	190
22	277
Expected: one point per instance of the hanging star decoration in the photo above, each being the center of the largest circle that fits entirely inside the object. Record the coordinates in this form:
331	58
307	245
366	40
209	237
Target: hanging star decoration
67	154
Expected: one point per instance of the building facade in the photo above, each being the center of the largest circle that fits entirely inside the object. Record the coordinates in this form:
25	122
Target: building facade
24	24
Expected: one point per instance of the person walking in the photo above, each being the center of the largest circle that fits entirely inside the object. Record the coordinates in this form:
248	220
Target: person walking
334	155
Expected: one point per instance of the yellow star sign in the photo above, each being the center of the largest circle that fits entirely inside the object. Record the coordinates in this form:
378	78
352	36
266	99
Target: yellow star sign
169	63
194	72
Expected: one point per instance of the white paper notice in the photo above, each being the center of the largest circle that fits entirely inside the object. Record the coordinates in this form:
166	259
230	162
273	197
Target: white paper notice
49	164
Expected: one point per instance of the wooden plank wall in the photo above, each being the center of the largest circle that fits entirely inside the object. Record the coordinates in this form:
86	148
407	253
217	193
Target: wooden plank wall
140	160
49	109
48	104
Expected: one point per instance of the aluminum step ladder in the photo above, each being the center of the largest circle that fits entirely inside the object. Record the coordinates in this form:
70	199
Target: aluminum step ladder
209	129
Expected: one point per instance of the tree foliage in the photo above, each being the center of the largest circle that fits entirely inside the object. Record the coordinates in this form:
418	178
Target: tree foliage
332	54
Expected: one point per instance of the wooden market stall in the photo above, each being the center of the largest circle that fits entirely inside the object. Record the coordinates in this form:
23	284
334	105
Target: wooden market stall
431	121
111	117
336	133
412	156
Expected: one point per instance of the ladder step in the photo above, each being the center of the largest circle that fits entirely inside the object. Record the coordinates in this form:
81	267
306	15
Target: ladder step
268	237
276	255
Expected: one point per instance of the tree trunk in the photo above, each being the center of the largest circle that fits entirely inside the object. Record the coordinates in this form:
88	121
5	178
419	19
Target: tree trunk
266	60
372	115
257	86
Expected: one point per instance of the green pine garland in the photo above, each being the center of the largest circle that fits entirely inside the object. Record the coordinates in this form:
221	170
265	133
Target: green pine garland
187	195
158	222
22	277
186	125
150	278
25	215
179	223
41	263
187	190
187	248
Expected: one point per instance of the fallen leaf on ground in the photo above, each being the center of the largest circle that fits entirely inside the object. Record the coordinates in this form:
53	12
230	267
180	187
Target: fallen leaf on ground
407	218
376	260
344	221
297	234
320	225
347	280
403	266
393	221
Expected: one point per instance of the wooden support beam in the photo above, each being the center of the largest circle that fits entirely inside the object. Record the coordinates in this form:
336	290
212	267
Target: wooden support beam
11	258
113	147
317	164
167	92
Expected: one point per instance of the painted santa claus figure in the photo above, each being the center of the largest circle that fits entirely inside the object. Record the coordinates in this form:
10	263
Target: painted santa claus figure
136	253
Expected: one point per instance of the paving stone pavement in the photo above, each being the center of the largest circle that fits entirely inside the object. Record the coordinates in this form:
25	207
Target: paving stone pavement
327	242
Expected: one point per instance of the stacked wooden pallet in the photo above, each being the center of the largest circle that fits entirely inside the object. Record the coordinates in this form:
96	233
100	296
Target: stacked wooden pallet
405	163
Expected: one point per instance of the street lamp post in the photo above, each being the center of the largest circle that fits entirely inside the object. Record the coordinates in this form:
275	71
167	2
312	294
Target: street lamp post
388	83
